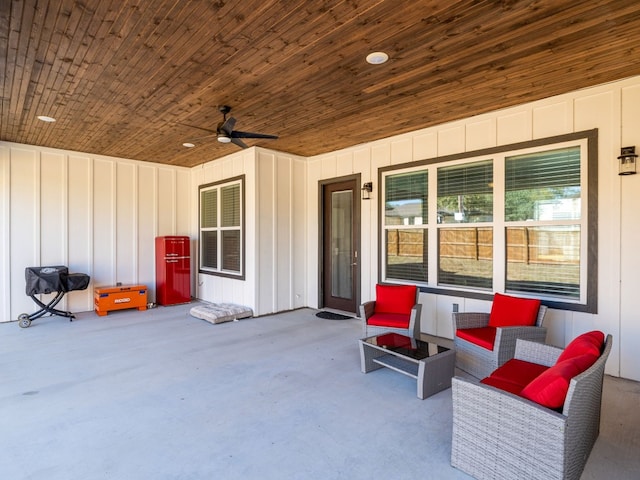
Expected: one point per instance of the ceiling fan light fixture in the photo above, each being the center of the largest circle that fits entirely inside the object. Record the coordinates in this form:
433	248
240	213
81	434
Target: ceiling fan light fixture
223	139
377	58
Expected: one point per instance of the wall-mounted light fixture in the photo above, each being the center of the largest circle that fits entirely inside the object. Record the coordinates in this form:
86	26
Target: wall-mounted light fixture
627	160
367	188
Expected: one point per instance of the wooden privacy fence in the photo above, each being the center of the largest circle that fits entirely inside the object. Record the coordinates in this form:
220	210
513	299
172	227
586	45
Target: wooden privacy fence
406	243
474	243
543	245
524	244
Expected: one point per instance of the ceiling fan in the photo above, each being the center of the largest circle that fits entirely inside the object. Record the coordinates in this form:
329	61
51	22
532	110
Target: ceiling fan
226	134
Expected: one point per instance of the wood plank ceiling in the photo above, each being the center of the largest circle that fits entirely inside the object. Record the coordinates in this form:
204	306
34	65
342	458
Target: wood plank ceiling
137	78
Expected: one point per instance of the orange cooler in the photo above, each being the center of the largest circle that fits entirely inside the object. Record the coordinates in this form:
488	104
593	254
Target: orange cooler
107	299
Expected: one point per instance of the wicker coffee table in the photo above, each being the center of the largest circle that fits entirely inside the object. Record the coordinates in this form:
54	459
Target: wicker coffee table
432	365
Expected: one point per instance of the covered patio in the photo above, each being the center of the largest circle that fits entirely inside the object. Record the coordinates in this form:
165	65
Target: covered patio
160	394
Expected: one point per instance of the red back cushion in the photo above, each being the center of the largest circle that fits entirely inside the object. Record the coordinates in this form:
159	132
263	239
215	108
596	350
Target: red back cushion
507	311
395	298
590	342
550	388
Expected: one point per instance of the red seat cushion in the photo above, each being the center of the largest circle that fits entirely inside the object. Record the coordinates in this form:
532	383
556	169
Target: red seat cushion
394	320
502	384
590	342
483	337
550	388
518	372
395	298
507	311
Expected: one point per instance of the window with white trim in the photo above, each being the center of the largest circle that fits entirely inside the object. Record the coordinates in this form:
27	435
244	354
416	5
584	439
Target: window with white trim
222	228
406	220
519	219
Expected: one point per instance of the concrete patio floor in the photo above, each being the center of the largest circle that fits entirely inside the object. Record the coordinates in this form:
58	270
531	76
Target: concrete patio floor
162	395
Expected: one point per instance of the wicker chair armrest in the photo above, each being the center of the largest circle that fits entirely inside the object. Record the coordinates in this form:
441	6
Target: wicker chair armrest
367	309
542	311
506	337
536	352
509	335
463	320
493	399
414	320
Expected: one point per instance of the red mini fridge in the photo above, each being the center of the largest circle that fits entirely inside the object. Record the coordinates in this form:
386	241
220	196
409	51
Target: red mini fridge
173	270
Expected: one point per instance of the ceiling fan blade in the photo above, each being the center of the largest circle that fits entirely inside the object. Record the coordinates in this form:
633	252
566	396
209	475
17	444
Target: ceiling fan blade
239	142
238	134
227	125
197	139
211	134
194	126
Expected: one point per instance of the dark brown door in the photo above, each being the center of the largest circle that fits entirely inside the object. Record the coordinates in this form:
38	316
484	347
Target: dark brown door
340	245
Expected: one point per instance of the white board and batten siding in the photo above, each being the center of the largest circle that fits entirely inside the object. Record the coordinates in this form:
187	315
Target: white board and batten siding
99	215
275	255
614	109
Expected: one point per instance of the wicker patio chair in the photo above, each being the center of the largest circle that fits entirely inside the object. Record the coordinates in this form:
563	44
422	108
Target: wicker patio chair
498	435
480	361
396	309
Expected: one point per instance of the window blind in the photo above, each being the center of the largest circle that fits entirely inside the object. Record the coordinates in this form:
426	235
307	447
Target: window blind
543	185
553	169
209	208
231	250
230	205
406	197
467	179
209	249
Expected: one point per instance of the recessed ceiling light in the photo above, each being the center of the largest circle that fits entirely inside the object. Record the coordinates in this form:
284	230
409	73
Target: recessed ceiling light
188	145
376	58
44	118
